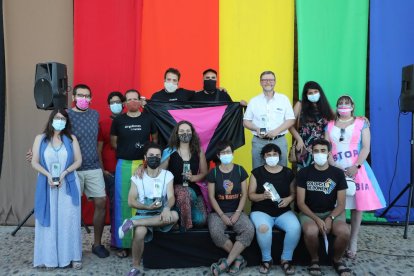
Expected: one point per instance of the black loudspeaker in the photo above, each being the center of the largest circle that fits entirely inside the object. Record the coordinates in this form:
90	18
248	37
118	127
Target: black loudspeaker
407	89
51	85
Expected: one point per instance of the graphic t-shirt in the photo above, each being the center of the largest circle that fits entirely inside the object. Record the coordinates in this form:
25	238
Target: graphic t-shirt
321	187
281	181
180	95
85	127
227	187
132	133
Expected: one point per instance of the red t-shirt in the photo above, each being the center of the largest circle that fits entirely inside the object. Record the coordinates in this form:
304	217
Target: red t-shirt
108	153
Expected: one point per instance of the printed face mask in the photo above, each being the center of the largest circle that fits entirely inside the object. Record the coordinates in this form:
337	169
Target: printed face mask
133	106
210	85
344	110
116	108
320	158
58	124
185	137
226	158
170	87
272	160
82	103
314	97
153	162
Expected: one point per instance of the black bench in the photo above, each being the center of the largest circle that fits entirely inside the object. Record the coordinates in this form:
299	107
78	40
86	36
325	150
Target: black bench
195	248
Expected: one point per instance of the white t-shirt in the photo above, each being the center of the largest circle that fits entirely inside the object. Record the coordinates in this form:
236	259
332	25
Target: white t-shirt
151	187
269	114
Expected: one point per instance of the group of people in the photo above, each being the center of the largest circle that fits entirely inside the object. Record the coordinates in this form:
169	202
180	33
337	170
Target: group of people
151	189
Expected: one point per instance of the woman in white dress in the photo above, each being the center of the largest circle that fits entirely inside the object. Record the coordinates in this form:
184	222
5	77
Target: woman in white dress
56	156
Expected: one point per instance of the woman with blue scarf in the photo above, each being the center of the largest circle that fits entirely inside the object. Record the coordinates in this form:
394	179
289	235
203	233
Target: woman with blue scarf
56	156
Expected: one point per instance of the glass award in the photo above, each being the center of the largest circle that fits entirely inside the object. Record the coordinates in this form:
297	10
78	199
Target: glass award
157	193
270	188
186	169
55	172
263	129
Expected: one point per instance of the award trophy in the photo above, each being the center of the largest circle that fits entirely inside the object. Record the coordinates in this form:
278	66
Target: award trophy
186	169
270	188
157	193
262	130
55	172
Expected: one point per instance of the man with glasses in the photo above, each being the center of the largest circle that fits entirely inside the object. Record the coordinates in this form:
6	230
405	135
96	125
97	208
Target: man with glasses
85	125
269	116
171	91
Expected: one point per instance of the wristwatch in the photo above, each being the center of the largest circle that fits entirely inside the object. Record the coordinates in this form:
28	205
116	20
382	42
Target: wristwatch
332	218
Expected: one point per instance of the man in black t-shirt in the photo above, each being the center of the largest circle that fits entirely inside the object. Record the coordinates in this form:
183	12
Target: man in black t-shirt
171	92
321	199
129	133
210	92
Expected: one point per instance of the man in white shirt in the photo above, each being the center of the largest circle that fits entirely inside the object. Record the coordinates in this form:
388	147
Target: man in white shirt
269	116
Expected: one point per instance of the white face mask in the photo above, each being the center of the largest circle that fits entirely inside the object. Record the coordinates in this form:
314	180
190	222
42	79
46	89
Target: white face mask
272	160
170	87
314	97
320	158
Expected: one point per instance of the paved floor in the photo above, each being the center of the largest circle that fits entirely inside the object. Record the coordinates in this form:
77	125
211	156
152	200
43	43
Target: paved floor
382	251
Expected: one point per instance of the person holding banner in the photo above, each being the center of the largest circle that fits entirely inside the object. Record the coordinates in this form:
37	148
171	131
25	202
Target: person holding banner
171	91
269	116
227	190
312	114
56	156
185	158
129	133
271	190
351	139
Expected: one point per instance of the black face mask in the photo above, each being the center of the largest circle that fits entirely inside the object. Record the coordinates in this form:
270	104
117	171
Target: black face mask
185	137
210	85
153	162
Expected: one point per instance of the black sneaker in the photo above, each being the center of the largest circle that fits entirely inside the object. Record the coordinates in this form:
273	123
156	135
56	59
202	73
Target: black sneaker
100	251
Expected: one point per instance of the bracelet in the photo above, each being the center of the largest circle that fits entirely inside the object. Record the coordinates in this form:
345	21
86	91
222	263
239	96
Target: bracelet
239	211
67	171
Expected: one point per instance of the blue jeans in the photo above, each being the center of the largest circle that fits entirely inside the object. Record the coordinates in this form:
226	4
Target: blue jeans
287	222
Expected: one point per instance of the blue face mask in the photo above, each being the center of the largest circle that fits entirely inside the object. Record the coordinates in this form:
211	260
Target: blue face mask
116	108
58	124
226	158
314	98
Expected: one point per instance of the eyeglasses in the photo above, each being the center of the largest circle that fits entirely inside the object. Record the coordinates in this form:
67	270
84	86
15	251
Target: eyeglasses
267	80
60	118
83	96
341	138
115	102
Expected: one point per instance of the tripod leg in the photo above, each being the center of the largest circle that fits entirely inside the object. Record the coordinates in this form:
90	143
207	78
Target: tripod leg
23	222
394	201
407	213
85	226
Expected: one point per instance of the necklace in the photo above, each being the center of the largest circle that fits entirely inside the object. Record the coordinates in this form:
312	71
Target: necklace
345	121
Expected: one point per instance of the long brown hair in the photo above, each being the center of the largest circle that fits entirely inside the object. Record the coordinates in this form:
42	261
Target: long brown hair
174	141
49	130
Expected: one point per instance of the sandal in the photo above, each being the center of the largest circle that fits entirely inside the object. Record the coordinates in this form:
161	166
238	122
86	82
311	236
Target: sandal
314	268
341	268
288	268
350	254
215	268
122	253
236	269
265	267
77	265
134	272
